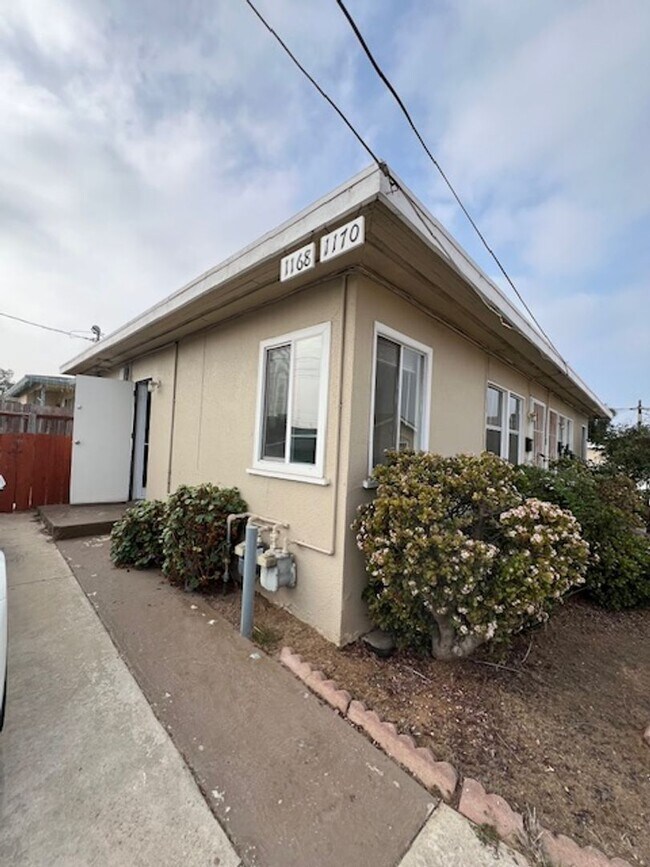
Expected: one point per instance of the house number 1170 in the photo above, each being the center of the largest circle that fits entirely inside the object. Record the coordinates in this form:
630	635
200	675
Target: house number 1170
342	239
335	243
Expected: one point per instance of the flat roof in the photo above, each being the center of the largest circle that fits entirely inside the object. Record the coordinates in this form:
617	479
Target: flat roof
373	184
30	380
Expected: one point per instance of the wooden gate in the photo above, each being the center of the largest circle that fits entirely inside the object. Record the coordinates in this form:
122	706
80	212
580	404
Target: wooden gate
36	470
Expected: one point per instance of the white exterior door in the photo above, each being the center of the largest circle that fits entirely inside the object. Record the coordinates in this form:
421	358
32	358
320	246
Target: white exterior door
101	437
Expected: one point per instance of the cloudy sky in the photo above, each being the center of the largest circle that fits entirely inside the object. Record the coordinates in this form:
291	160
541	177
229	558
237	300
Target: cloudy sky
142	142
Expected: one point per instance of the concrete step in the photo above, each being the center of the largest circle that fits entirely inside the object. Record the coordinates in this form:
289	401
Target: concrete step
71	522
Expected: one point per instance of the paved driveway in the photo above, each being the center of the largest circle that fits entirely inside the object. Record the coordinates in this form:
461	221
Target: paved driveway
87	774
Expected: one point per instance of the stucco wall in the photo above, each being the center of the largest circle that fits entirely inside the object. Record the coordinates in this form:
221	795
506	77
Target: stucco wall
216	395
56	397
508	377
213	436
460	374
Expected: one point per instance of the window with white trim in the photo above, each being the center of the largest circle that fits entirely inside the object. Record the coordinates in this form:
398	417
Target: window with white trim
292	403
494	420
402	384
583	442
515	427
553	435
560	435
565	435
538	412
504	417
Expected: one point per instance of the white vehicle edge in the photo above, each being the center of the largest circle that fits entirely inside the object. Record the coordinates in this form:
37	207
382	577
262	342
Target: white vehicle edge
3	638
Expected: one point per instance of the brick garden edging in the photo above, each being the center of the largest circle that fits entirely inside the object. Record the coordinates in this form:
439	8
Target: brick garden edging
477	805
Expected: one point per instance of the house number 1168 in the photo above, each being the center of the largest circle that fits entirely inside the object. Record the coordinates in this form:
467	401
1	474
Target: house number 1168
297	262
336	243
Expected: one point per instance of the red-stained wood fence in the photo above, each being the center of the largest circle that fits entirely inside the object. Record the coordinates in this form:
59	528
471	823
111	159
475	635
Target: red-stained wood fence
36	470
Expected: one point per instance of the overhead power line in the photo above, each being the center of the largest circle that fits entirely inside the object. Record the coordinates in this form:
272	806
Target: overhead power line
393	180
435	162
47	327
325	96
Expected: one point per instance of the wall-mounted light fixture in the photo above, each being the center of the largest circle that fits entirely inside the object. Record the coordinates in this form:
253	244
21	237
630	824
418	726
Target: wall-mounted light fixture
153	385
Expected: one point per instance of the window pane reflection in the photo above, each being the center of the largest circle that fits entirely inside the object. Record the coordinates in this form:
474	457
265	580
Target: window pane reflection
411	409
386	393
276	396
306	389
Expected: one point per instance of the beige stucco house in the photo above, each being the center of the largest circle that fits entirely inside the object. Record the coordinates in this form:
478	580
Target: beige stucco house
358	325
39	390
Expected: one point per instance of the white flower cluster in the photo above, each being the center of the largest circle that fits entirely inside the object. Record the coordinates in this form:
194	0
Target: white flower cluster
451	538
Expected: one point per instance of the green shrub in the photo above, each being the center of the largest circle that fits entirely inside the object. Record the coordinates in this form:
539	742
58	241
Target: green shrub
456	556
136	539
194	537
612	517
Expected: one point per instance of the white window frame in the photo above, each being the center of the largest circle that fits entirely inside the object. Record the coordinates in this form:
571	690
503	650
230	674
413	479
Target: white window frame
505	421
381	330
552	457
569	428
544	461
584	442
285	469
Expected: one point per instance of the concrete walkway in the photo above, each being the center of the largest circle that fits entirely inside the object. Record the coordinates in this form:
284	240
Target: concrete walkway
88	776
294	784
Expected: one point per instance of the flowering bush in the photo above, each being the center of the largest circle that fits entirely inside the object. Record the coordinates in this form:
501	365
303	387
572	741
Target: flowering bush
457	557
612	516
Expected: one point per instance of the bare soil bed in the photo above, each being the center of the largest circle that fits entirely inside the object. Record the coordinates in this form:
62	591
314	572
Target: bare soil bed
554	724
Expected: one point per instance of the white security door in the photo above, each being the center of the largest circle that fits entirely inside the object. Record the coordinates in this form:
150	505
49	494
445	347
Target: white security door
101	437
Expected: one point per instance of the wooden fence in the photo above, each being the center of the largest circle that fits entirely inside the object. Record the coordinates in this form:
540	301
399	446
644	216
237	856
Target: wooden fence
35	455
16	417
36	470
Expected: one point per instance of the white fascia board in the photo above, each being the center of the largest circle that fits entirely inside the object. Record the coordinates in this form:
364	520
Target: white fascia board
354	193
408	208
370	184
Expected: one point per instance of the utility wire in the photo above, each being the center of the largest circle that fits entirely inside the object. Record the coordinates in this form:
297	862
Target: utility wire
435	162
47	327
354	132
351	127
392	179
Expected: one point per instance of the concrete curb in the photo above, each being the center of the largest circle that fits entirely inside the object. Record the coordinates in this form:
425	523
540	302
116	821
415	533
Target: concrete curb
401	748
485	808
477	805
339	699
418	760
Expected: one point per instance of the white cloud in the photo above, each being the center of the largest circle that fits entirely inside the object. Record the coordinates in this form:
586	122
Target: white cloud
60	34
142	143
539	115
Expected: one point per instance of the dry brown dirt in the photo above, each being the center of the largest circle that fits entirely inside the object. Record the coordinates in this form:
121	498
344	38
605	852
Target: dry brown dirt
554	724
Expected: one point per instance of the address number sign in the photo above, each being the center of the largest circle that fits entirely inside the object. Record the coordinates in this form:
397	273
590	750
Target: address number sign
298	261
334	244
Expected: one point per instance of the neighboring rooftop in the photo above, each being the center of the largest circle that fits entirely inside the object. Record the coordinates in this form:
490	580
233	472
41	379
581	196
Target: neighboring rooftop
441	275
35	380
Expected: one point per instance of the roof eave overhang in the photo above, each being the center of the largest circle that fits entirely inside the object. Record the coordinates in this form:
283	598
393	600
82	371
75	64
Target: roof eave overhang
254	270
347	199
413	214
